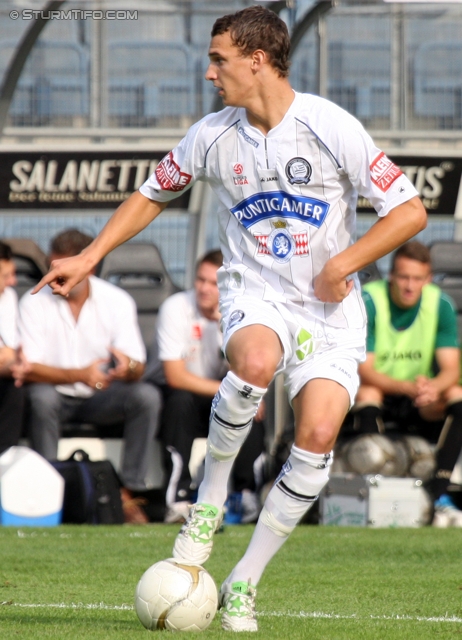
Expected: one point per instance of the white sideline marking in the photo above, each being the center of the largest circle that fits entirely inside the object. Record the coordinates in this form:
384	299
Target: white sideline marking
354	616
73	605
270	614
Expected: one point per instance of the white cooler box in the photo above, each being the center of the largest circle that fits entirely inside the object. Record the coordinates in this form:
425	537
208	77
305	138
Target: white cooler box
31	490
374	501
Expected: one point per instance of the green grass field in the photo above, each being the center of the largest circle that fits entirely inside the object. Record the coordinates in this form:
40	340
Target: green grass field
326	582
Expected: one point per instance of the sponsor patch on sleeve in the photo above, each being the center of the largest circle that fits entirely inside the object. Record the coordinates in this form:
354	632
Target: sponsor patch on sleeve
170	176
384	172
196	332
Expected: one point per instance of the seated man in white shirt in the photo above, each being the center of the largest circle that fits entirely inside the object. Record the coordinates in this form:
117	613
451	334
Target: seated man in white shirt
85	356
11	397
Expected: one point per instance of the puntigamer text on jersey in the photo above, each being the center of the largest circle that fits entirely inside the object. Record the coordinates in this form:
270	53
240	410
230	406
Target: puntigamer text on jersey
262	206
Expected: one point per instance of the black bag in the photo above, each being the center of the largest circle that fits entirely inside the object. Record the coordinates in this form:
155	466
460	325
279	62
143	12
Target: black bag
91	490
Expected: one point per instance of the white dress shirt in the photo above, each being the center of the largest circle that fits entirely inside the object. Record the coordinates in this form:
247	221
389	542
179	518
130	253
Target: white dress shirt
51	336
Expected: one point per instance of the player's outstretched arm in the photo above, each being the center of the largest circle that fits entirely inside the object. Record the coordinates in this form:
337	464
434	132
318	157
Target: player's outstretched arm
398	226
130	218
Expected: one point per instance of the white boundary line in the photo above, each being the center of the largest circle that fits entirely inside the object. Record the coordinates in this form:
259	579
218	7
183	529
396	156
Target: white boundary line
269	614
333	616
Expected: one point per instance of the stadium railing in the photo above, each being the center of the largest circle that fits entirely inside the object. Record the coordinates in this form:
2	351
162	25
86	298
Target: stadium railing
151	79
55	83
437	84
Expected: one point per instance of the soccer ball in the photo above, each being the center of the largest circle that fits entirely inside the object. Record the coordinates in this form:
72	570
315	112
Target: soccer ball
371	454
177	596
422	463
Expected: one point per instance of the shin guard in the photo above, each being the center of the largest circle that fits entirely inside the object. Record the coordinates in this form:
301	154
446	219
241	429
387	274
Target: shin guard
295	490
233	409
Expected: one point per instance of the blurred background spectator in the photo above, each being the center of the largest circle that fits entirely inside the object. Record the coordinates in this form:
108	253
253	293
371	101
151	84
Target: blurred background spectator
412	368
83	359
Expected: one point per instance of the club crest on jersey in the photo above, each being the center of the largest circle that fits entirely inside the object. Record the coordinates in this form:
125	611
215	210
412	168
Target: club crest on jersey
236	317
281	245
300	239
272	204
298	171
170	176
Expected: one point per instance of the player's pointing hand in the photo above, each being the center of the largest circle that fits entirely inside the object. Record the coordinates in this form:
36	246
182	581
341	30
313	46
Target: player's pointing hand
64	274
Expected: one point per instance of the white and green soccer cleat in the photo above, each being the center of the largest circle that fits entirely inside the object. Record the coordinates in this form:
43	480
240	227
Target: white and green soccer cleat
195	541
237	600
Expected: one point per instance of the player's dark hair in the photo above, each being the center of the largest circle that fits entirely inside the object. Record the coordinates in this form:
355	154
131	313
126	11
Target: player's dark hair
5	251
214	257
258	28
412	250
69	243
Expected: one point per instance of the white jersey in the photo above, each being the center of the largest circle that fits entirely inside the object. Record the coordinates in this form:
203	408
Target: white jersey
288	198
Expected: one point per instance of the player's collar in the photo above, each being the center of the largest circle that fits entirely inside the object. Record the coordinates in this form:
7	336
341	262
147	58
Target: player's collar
279	128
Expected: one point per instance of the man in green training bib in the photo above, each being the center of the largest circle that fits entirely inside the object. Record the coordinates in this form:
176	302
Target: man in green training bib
412	368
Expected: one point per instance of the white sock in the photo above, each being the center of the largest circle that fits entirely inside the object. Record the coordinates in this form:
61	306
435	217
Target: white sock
264	544
295	490
214	486
233	409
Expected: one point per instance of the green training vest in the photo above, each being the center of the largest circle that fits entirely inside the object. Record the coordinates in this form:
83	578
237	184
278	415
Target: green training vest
403	355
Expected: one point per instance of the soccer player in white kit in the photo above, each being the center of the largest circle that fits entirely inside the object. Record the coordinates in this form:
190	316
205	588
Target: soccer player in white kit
287	169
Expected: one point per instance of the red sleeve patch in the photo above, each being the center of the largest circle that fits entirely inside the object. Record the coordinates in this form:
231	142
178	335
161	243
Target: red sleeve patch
169	175
196	332
384	172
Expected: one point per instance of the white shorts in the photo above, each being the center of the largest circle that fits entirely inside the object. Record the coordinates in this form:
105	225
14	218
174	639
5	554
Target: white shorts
312	349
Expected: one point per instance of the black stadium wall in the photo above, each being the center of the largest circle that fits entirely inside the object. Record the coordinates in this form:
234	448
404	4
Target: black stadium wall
79	180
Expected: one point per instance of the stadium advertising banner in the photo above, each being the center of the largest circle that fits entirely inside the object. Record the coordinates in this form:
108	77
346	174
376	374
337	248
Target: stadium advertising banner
103	179
75	180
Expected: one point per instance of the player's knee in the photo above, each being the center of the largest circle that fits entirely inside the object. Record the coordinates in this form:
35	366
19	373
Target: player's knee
256	367
320	439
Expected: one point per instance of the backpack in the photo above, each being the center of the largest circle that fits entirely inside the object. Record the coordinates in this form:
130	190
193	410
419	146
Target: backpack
91	490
